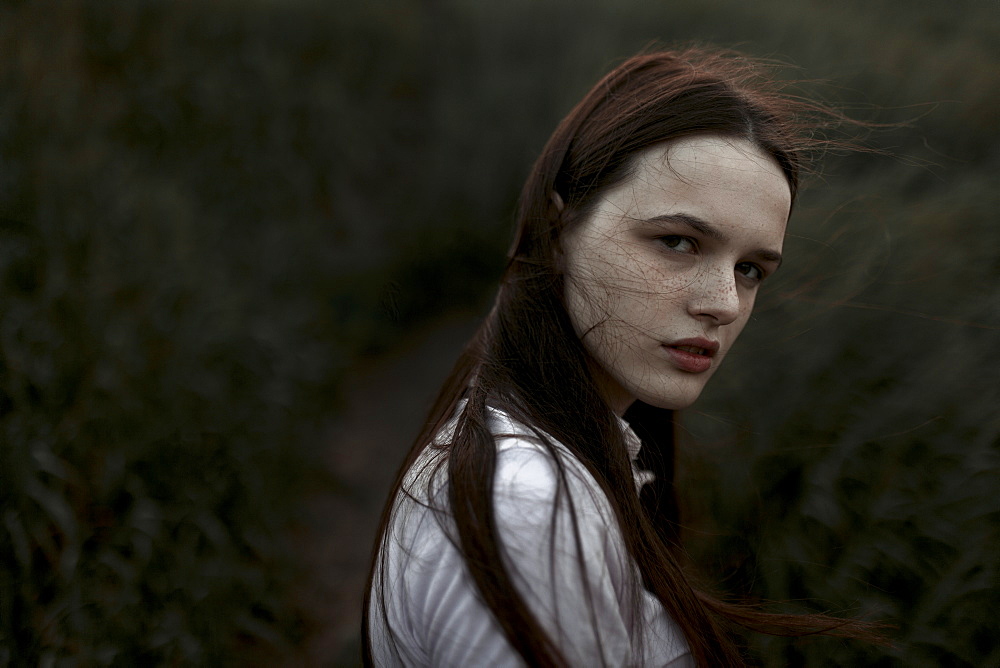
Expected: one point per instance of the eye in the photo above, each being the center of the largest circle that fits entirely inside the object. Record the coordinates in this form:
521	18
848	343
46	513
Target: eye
751	271
679	243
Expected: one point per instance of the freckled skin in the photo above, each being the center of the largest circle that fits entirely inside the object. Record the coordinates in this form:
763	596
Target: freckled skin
634	284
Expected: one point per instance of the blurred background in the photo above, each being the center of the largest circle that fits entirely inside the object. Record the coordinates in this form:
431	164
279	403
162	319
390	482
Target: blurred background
242	241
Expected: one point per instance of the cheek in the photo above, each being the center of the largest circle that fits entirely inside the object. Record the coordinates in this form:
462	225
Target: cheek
611	291
586	292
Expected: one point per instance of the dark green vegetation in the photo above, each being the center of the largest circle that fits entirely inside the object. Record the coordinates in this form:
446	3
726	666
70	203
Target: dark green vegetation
209	212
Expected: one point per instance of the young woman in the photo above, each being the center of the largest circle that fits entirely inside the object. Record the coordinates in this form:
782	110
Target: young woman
534	520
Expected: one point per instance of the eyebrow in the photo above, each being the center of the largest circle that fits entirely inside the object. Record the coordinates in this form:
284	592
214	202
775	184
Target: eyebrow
710	231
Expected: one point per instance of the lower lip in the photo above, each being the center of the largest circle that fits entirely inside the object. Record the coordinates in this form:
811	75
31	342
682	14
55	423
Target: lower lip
690	362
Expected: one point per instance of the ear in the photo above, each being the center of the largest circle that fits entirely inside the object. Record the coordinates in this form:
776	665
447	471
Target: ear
556	208
556	200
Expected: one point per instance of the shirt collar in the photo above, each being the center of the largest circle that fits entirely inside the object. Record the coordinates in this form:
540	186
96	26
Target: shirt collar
632	441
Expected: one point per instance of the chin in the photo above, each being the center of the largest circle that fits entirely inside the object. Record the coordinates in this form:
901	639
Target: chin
673	398
669	404
672	402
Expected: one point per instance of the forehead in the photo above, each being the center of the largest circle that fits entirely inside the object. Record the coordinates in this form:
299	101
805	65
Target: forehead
708	166
730	183
711	156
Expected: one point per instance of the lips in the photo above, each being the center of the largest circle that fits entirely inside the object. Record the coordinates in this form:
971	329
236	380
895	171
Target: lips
692	349
692	355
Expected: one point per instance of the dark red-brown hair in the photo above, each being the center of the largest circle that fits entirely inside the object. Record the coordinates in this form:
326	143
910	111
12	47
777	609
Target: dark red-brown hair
526	359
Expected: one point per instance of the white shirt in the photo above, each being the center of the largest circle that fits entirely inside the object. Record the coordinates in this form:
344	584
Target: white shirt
435	616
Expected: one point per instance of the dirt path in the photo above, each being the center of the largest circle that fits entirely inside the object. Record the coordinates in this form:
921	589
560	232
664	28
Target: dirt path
367	443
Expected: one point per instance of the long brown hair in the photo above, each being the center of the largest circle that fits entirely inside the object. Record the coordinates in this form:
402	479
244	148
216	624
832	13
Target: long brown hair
526	360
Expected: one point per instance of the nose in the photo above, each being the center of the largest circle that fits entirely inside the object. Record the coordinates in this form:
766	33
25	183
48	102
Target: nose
714	296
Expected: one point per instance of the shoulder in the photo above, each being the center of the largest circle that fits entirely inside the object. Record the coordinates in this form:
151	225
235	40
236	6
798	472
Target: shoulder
536	478
525	456
534	467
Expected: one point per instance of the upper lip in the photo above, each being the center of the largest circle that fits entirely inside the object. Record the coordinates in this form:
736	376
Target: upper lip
705	346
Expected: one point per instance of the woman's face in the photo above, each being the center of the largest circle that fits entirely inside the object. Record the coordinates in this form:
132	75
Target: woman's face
662	277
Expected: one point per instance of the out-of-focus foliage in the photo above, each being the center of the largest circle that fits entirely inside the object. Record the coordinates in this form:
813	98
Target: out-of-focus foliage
853	445
209	210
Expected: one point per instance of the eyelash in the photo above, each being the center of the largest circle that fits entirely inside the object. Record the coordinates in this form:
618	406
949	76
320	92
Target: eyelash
665	240
760	272
671	241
